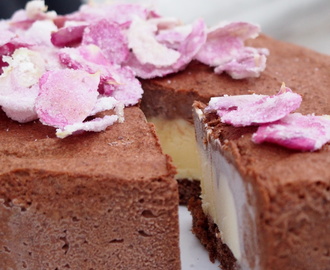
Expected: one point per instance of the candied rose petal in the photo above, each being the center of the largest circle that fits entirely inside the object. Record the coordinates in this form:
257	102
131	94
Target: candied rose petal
249	63
173	37
263	109
95	125
296	131
119	82
68	36
109	38
119	13
20	107
103	104
39	33
6	36
142	40
66	96
224	49
226	103
19	81
187	49
225	41
125	88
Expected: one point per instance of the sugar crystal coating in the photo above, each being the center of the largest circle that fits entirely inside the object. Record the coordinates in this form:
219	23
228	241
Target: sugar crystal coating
274	118
246	110
296	131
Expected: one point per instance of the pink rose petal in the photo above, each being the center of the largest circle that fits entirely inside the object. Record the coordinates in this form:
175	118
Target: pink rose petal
225	41
108	36
224	49
187	50
255	109
142	38
66	97
123	86
296	131
249	63
119	13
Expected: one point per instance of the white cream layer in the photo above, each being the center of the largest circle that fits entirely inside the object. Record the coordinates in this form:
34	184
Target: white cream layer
224	197
177	138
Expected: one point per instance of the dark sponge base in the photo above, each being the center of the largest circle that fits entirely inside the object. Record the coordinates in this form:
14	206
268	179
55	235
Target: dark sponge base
208	233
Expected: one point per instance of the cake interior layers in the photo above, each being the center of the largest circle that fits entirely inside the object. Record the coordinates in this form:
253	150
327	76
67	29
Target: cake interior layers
177	138
271	210
104	200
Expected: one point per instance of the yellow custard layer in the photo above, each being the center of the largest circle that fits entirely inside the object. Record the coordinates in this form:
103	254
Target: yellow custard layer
177	138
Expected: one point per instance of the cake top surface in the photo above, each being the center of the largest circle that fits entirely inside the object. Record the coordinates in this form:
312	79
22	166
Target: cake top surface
302	70
116	152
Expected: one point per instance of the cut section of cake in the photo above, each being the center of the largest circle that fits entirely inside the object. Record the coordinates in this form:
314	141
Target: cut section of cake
104	200
167	100
265	205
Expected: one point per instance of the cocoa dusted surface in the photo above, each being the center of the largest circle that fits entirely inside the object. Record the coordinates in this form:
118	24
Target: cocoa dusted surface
103	200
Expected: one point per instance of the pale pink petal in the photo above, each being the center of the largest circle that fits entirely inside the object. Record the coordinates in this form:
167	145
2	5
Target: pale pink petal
224	49
6	36
39	33
248	63
119	13
123	86
187	49
225	41
227	103
19	84
66	97
142	40
296	131
108	36
20	107
174	37
95	125
264	109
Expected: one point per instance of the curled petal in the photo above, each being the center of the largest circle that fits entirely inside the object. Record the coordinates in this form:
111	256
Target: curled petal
296	131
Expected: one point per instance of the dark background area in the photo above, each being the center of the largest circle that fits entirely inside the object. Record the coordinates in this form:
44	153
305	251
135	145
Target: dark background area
8	7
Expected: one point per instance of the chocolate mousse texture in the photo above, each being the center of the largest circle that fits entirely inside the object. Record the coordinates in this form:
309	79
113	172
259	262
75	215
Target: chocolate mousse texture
104	200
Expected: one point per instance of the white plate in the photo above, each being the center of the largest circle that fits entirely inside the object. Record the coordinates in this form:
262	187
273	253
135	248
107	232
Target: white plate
193	254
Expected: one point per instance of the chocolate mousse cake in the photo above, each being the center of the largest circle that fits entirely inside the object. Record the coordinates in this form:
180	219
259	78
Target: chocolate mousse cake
262	206
85	183
105	200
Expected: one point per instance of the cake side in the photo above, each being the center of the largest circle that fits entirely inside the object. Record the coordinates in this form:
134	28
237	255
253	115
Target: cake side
90	201
280	204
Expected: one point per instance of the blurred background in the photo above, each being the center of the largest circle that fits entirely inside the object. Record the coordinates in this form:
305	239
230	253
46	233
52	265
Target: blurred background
304	22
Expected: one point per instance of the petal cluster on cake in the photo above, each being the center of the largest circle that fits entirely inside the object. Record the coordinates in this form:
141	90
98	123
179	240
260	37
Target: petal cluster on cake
275	119
64	69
